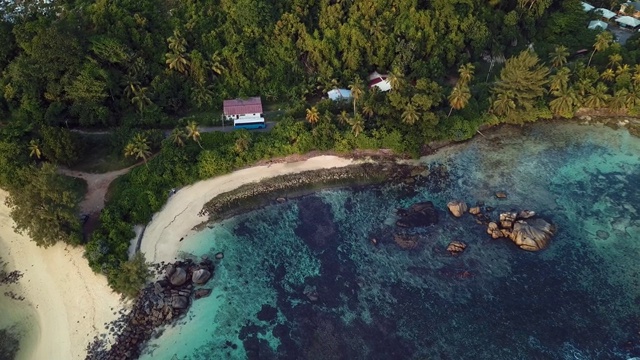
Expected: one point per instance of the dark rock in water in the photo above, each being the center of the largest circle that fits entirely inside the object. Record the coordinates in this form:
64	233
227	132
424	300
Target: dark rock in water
602	234
316	226
526	214
267	313
419	214
406	242
474	210
501	195
178	277
200	276
457	208
179	302
201	293
281	200
220	256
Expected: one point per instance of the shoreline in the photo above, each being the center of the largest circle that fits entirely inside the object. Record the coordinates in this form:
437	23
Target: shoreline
70	303
182	212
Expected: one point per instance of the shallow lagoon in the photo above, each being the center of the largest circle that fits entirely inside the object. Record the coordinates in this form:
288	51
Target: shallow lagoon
578	299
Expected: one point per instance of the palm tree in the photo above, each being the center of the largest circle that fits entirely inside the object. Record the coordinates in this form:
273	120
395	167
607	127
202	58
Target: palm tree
633	99
636	75
216	64
564	103
619	100
138	147
608	75
313	115
559	56
177	61
357	90
615	60
459	98
623	70
597	97
395	80
177	43
603	41
34	149
343	117
504	104
410	114
560	79
140	98
193	132
466	74
367	110
177	136
357	124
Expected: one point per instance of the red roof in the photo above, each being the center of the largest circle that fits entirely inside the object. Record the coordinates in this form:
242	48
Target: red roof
243	106
377	80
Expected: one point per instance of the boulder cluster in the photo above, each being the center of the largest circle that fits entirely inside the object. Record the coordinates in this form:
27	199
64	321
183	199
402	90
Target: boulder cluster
160	303
524	229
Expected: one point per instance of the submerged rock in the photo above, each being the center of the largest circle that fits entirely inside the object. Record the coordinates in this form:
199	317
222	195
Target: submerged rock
201	293
474	210
406	242
179	302
532	234
457	207
501	195
419	214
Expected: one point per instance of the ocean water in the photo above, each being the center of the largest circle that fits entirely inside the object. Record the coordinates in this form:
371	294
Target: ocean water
302	280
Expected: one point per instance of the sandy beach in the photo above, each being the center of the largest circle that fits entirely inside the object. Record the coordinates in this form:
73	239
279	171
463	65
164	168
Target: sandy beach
179	216
71	303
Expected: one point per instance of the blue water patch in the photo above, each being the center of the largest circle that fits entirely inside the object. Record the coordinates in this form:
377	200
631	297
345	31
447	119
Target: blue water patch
304	279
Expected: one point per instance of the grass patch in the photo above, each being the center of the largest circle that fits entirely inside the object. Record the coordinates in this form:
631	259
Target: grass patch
100	156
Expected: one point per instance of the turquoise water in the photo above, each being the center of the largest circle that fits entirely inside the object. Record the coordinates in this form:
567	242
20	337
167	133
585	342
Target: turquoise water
302	280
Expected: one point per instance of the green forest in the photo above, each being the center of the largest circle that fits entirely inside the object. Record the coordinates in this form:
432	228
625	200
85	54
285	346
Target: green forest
138	70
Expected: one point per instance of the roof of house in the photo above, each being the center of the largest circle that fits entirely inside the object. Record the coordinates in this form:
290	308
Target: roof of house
635	4
605	13
243	106
587	6
628	20
598	24
338	94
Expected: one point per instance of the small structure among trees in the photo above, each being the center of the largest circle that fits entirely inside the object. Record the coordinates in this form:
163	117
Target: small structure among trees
380	81
245	113
339	94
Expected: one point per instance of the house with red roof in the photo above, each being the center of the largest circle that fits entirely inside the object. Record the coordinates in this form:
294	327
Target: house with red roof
380	81
245	113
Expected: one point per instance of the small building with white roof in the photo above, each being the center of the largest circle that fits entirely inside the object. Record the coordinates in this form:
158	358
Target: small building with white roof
605	13
379	81
587	7
598	25
628	22
339	94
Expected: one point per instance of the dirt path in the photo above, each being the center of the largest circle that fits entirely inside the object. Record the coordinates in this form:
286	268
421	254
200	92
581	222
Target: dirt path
97	186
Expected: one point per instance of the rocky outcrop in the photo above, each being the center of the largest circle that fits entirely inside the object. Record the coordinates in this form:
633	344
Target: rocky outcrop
524	229
160	303
456	247
457	207
532	234
419	214
200	276
178	277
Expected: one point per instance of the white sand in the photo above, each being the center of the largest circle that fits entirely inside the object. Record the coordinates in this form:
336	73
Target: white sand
71	302
179	216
